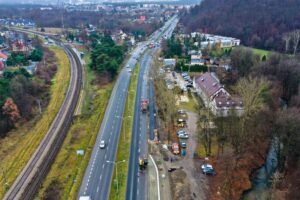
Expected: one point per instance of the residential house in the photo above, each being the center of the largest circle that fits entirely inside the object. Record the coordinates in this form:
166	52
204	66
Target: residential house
3	57
215	96
224	105
19	46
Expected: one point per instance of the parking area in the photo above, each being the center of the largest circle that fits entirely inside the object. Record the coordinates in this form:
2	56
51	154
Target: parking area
183	80
186	178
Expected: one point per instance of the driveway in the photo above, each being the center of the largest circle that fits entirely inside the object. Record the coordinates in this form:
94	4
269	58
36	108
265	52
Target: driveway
188	182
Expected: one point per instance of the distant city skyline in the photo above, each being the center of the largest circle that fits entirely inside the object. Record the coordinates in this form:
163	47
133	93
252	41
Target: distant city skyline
53	2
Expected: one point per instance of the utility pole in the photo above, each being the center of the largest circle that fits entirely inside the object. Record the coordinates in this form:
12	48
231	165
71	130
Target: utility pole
116	164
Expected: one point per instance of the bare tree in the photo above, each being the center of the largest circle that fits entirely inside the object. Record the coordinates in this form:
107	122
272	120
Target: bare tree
252	91
296	37
287	39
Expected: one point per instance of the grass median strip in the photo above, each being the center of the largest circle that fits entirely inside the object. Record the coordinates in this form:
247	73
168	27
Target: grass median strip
17	148
125	139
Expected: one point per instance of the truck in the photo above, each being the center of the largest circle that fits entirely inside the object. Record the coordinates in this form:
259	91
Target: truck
144	105
143	163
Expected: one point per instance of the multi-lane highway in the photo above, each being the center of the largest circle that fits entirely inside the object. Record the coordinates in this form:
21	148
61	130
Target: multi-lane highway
137	183
98	175
97	179
37	167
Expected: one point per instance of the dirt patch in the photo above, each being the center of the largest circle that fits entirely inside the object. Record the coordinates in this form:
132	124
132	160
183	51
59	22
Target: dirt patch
53	191
187	182
180	186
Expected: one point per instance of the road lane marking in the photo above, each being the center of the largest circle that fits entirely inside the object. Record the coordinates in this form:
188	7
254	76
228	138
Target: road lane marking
103	166
97	189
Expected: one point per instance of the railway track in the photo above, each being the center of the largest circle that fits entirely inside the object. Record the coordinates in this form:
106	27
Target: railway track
29	180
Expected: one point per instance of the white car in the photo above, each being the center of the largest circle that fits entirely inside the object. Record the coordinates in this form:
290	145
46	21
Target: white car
102	144
183	136
129	70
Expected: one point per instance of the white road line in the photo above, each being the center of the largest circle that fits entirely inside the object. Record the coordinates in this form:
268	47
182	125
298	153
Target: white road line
103	166
97	189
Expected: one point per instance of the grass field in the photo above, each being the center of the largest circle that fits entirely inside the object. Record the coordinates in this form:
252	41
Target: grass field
17	148
66	173
261	52
189	106
68	169
125	140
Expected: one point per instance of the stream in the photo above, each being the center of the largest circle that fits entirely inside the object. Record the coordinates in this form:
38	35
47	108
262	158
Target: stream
261	177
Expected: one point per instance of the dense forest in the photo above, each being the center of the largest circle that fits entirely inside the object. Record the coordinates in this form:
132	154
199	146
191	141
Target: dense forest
258	23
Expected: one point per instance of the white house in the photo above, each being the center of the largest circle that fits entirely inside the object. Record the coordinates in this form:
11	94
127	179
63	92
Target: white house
196	60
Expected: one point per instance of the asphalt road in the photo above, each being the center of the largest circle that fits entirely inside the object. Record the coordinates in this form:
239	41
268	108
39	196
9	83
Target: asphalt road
137	181
98	175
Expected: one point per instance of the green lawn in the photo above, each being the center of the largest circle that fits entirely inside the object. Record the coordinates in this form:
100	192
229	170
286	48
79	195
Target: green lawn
261	52
189	106
125	139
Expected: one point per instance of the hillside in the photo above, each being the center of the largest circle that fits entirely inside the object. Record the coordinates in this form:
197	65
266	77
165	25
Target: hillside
258	23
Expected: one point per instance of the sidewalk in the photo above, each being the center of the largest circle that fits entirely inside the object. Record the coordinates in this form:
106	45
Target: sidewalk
165	192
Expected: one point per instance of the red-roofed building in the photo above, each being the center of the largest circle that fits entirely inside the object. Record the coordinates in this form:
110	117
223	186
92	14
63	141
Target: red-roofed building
3	57
19	46
215	96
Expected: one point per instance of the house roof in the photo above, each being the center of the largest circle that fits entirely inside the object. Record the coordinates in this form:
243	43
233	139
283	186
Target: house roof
208	84
224	100
3	56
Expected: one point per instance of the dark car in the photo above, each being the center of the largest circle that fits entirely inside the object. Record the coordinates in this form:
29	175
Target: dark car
207	169
171	169
182	144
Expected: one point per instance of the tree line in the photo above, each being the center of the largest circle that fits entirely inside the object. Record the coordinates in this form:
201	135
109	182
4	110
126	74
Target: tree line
106	56
21	93
259	23
22	59
270	91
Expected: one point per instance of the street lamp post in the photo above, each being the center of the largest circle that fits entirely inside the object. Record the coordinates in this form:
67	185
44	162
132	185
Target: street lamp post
116	163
